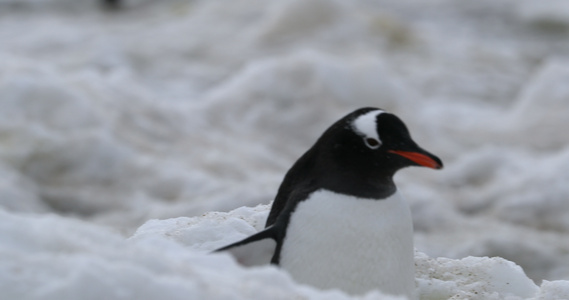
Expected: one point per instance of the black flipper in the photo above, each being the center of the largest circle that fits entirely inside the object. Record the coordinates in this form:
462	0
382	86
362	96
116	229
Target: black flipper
258	249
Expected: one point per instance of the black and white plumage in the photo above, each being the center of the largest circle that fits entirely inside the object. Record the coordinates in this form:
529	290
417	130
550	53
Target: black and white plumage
337	220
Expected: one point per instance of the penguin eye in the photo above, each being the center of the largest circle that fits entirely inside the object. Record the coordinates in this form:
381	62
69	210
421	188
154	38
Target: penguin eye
372	143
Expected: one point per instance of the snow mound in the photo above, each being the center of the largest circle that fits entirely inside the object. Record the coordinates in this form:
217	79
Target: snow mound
437	278
68	259
472	278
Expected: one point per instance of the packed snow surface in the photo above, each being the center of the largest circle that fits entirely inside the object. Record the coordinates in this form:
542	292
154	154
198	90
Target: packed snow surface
122	131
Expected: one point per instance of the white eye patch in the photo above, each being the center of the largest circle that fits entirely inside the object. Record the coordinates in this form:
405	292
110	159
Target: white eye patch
366	126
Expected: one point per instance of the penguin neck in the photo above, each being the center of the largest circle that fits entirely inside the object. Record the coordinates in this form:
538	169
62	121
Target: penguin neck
359	184
356	177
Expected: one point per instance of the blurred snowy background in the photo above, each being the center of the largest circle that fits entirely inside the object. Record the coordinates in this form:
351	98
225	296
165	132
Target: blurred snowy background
162	109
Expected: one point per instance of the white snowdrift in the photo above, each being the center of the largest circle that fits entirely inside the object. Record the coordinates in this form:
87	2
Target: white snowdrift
50	257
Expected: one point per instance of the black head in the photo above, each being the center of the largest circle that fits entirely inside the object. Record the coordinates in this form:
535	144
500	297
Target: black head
370	144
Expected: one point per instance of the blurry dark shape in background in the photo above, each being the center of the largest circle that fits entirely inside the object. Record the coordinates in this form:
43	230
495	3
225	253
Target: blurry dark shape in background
111	4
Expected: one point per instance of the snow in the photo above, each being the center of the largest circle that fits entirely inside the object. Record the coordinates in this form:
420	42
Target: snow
52	257
77	260
125	135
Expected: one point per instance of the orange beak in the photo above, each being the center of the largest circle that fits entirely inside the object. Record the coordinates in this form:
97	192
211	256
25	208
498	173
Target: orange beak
419	158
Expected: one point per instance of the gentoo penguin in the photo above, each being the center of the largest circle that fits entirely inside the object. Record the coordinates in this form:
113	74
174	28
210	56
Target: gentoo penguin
337	220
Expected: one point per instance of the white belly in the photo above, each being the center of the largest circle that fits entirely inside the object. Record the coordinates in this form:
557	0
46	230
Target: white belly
353	244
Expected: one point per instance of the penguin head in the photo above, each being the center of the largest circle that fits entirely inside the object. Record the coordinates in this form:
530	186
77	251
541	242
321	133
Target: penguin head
375	140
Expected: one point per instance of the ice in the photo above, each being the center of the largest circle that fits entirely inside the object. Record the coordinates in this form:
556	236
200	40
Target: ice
472	278
50	257
171	259
179	111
